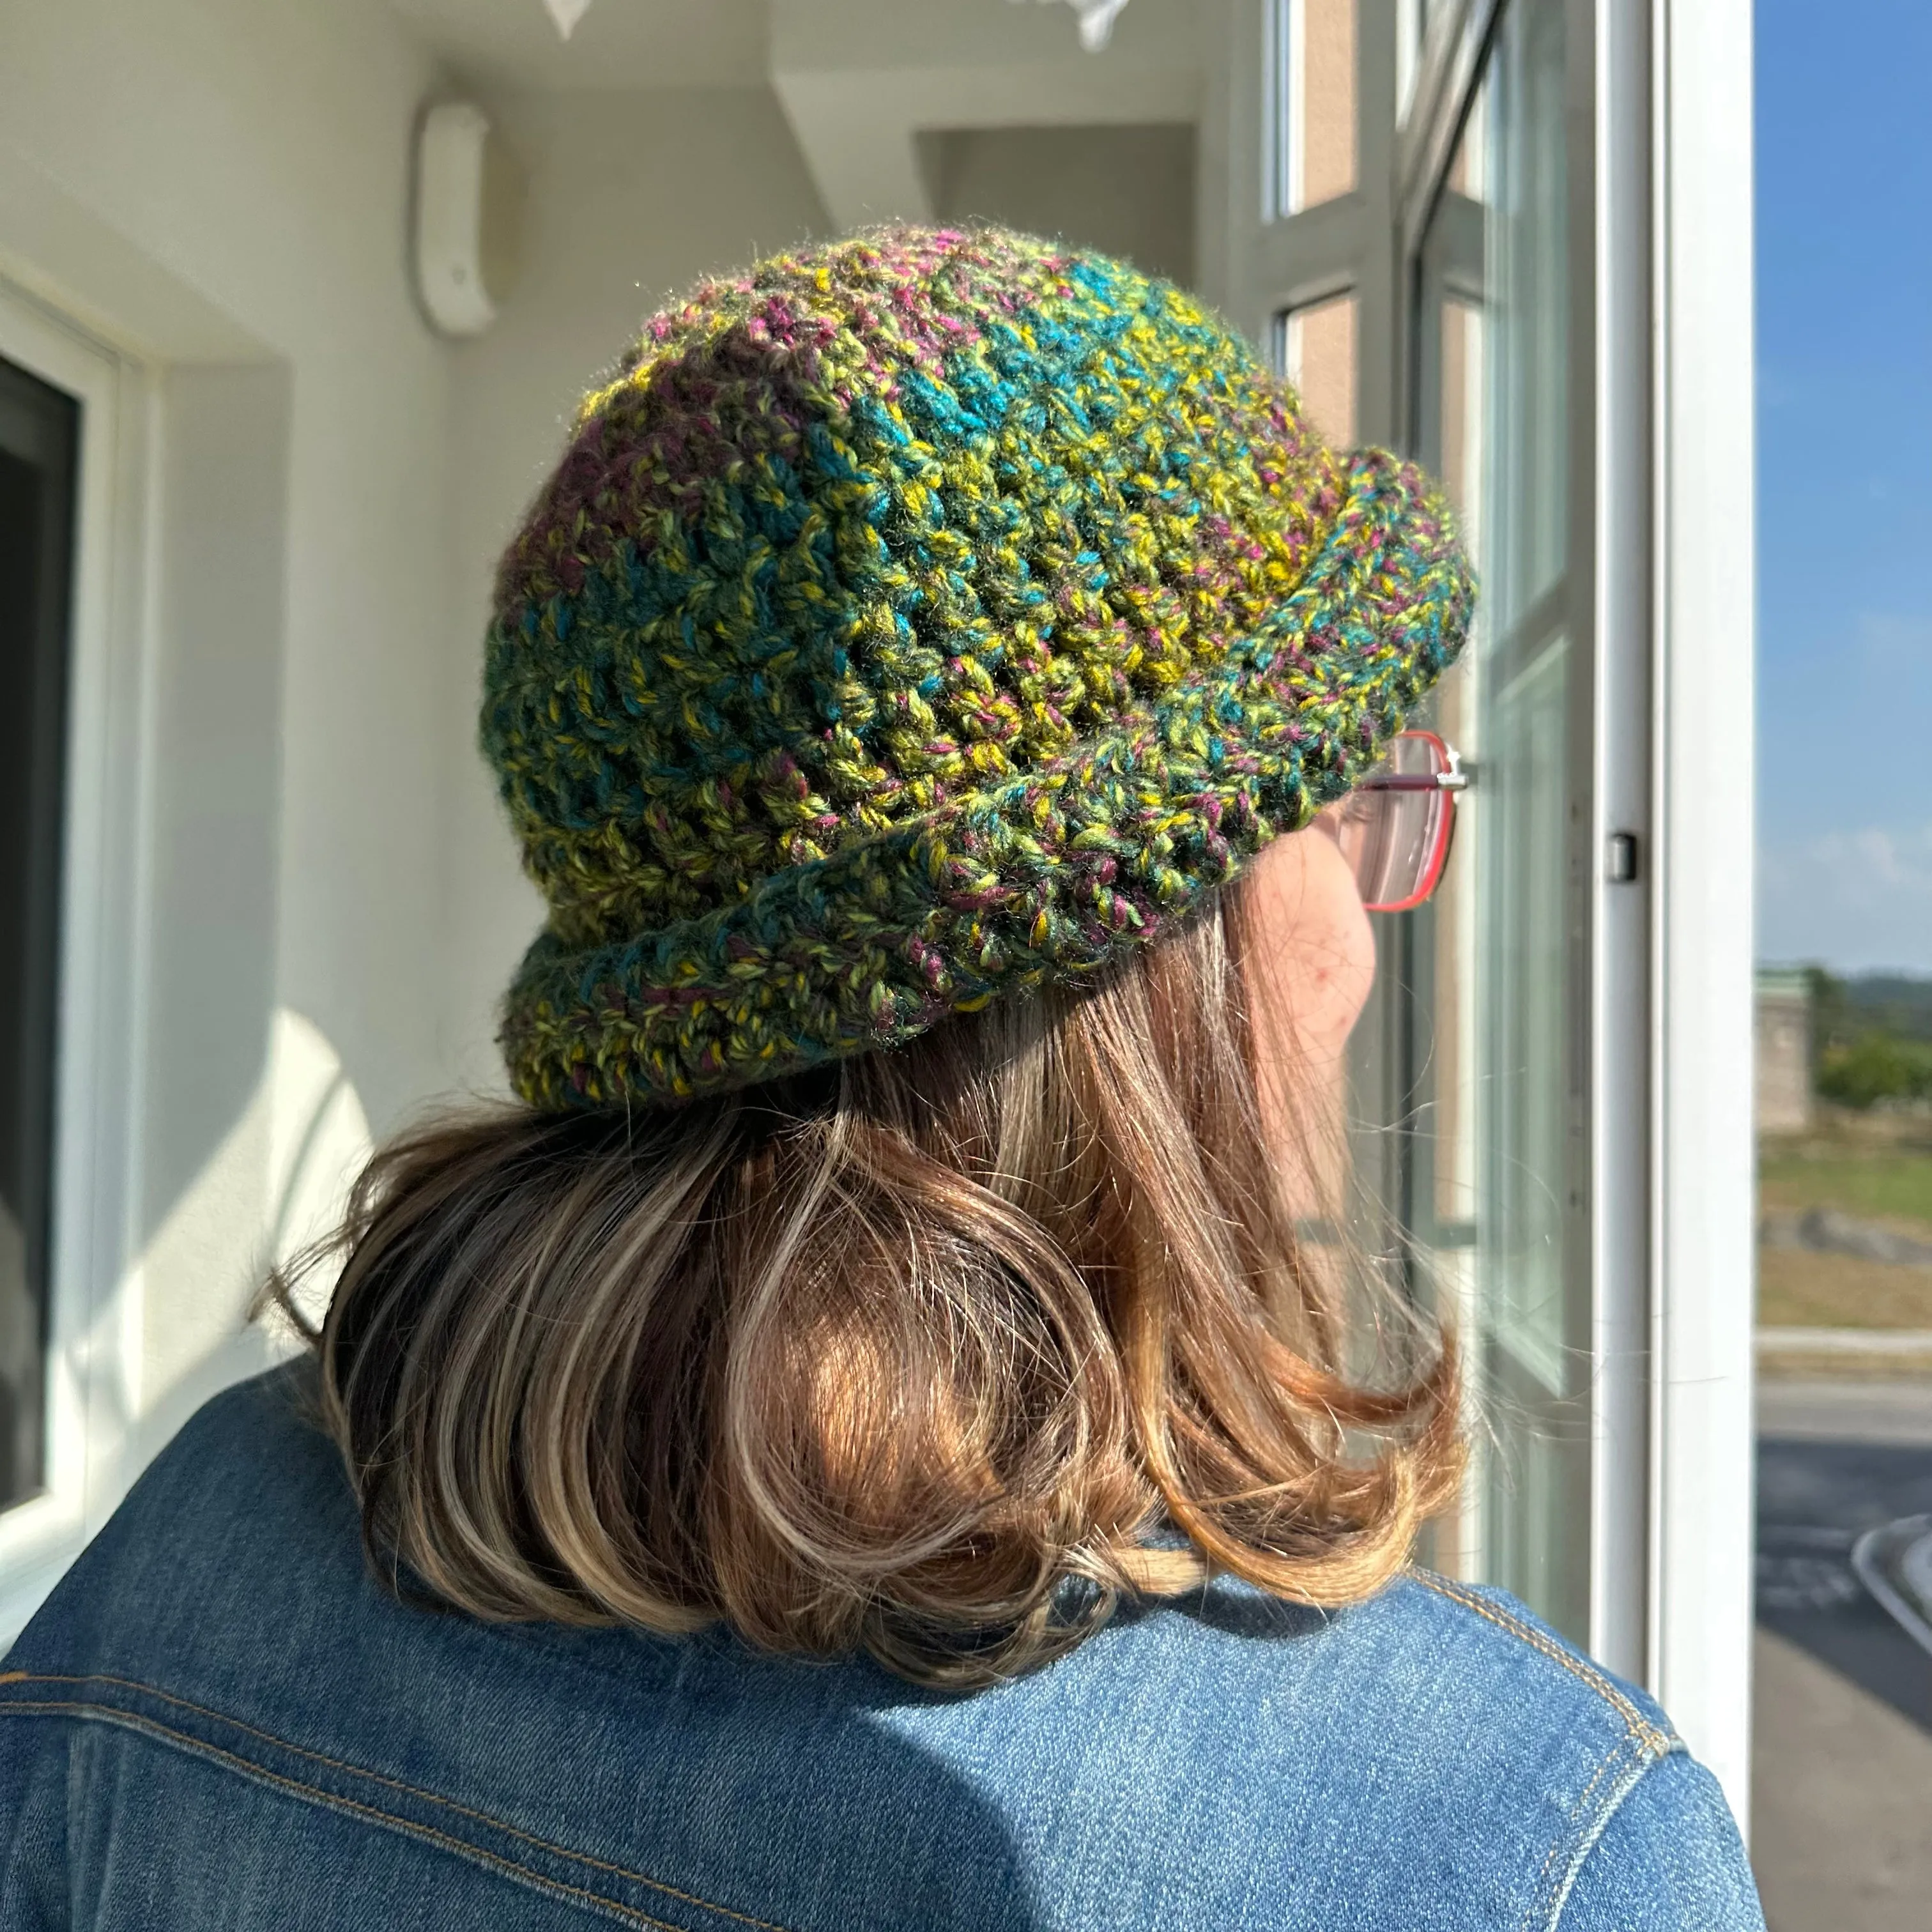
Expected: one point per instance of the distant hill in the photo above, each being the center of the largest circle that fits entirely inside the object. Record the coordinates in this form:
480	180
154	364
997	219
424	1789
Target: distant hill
1897	1002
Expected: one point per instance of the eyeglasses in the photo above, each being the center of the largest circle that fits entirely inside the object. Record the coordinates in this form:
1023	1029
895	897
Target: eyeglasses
1394	828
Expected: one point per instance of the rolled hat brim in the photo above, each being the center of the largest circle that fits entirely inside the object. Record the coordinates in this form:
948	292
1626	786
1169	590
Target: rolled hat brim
1044	878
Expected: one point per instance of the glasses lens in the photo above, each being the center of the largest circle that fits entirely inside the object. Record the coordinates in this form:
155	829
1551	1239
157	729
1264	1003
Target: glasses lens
1393	839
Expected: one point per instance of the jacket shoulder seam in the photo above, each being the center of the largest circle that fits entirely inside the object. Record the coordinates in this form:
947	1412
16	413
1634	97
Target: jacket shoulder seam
1652	1741
1581	1829
102	1712
1592	1835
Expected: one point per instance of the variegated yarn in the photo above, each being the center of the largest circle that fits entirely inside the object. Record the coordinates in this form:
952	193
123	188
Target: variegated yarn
913	620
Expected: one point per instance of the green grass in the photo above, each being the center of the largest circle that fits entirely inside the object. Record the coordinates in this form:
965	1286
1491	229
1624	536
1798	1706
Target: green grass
1895	1184
1876	1165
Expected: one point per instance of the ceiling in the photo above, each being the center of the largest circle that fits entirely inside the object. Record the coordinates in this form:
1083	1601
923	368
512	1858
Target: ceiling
631	44
625	44
859	80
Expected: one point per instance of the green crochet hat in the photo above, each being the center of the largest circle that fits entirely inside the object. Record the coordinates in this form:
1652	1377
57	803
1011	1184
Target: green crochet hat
915	619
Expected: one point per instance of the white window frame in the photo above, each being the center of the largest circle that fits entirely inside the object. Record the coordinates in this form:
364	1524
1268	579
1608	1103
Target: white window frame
1704	655
1671	1153
93	1326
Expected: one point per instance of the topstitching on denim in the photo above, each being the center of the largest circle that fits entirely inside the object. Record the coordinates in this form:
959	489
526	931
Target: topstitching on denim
1642	1745
1642	1731
110	1713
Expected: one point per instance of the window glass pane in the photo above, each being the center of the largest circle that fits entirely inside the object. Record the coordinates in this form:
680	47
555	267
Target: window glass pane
38	429
1468	173
1496	967
1311	63
1416	21
1316	349
1408	53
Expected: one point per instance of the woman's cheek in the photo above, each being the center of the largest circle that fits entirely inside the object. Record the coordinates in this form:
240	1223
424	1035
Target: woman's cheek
1319	946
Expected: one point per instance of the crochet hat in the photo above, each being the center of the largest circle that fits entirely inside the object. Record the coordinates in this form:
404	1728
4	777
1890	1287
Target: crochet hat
914	619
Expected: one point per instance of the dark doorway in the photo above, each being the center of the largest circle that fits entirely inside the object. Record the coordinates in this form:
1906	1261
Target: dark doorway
39	432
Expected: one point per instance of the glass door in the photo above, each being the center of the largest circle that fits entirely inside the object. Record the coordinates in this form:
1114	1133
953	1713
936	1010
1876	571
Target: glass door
1490	1065
1558	1077
40	431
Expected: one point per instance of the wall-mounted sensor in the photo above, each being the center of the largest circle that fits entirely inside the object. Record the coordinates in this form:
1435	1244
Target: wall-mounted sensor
464	206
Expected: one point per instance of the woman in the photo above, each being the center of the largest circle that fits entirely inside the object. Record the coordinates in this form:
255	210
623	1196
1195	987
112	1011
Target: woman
864	1443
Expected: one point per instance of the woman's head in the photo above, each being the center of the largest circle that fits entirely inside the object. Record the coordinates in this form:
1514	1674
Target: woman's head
917	621
927	1085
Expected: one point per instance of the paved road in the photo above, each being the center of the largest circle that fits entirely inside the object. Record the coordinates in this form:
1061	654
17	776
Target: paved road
1842	1803
1846	1411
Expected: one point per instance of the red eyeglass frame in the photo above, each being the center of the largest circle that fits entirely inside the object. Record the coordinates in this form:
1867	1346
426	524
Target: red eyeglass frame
1448	779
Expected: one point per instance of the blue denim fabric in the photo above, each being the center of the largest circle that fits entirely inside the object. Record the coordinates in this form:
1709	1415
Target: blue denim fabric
220	1719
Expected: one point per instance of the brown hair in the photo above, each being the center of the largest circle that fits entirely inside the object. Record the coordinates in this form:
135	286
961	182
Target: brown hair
933	1351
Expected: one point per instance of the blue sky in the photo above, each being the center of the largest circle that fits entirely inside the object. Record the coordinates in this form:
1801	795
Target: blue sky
1844	371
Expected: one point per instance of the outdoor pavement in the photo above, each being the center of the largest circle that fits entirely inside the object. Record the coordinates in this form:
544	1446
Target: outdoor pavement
1841	1817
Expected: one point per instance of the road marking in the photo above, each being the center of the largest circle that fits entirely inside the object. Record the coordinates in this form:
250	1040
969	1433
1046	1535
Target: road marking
1894	1563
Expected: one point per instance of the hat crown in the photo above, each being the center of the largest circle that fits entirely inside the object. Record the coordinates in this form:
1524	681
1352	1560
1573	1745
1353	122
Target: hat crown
862	534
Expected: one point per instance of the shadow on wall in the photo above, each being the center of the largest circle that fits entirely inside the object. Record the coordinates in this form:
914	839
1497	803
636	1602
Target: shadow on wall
216	756
1127	190
214	823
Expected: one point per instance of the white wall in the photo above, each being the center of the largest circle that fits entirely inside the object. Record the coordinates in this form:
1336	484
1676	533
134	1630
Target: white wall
861	80
219	189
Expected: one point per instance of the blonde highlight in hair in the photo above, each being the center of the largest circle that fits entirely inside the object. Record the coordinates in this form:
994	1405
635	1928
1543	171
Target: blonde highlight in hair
936	1352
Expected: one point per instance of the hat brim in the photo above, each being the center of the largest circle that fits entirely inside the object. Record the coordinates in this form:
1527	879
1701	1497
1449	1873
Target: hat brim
1048	876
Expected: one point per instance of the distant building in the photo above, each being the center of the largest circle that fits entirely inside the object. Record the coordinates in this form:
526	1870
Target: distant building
1783	1052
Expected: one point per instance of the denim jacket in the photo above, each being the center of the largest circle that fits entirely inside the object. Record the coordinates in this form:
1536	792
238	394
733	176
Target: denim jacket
220	1719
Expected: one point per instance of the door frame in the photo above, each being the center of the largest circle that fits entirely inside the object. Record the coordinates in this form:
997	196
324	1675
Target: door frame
93	1334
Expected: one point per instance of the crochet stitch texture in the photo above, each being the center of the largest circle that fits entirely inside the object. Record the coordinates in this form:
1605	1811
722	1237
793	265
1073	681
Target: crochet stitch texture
912	620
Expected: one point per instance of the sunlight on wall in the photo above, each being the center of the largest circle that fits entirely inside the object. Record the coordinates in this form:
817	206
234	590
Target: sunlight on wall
318	1142
278	1181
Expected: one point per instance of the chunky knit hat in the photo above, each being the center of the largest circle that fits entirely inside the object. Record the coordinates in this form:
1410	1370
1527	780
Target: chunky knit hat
915	619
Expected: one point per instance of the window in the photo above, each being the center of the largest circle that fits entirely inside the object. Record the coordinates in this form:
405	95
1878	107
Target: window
40	428
1511	976
1546	254
73	422
1473	1065
1316	349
